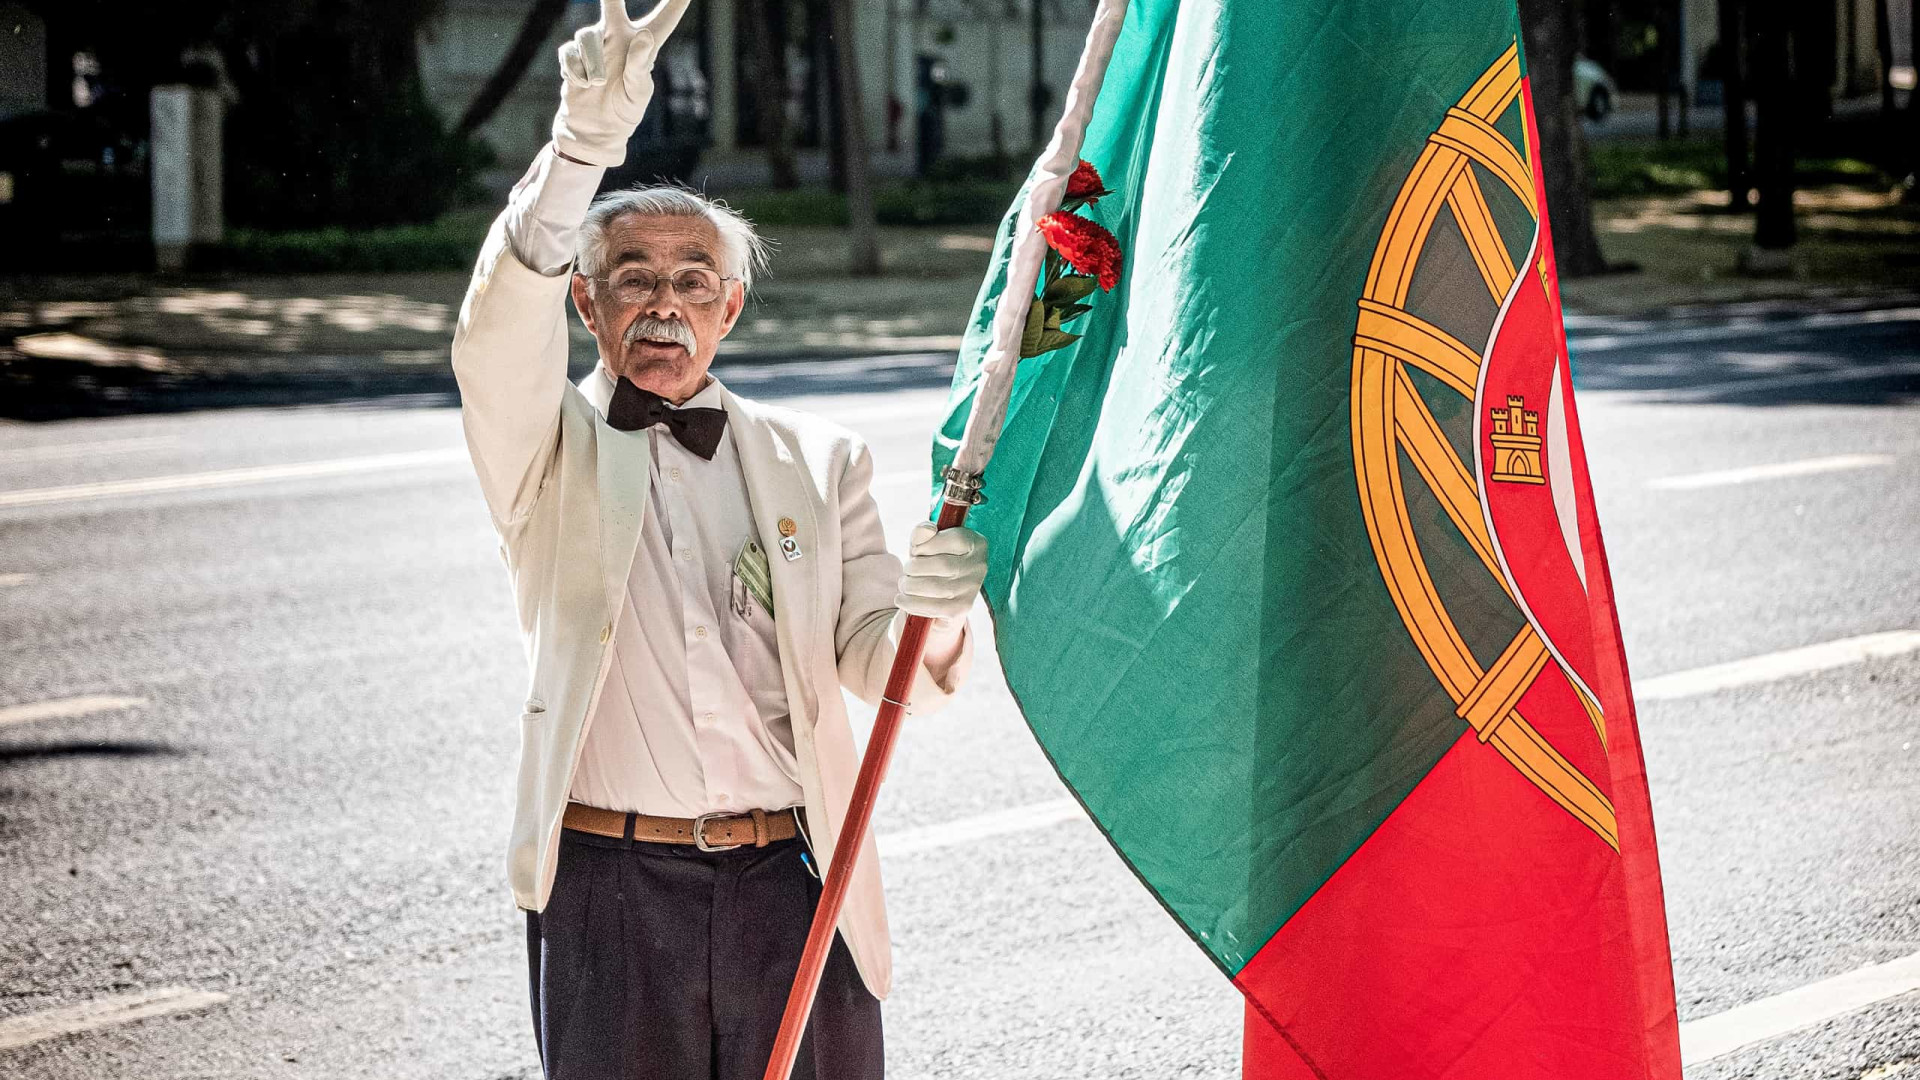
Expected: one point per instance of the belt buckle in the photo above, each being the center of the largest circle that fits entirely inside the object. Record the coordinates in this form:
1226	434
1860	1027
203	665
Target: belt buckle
700	831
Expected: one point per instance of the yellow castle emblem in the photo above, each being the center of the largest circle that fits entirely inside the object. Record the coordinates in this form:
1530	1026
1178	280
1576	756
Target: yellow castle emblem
1516	443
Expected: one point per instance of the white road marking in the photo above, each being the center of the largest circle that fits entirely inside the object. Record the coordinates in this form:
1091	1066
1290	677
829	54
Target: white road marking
8	581
102	1013
1707	391
12	455
902	479
1742	328
979	827
1703	680
257	474
1775	471
1723	1033
1768	667
66	708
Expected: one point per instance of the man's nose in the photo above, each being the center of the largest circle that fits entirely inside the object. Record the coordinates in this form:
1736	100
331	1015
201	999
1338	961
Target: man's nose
663	302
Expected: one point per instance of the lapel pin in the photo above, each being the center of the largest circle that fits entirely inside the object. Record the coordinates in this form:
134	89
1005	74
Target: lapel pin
787	527
790	548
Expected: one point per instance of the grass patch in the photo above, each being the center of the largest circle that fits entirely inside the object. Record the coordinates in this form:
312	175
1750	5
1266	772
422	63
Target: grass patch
449	243
910	203
1624	170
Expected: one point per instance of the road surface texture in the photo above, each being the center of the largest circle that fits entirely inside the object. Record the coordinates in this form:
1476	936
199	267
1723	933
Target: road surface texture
259	680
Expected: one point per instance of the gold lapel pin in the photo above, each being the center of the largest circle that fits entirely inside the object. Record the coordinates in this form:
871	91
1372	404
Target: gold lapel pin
787	527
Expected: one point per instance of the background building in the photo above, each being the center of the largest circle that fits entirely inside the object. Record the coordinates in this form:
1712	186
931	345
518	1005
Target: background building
979	51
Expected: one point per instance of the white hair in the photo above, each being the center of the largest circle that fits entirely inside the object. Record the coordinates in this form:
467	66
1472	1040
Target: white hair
742	251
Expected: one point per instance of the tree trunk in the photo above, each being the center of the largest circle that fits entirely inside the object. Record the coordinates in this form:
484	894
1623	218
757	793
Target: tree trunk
1774	97
767	83
541	18
1733	94
863	234
1552	38
1037	95
821	36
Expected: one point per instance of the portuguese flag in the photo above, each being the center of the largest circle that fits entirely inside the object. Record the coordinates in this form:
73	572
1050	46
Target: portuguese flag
1295	567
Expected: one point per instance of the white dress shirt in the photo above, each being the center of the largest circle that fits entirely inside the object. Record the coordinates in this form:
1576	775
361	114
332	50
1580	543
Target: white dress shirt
693	717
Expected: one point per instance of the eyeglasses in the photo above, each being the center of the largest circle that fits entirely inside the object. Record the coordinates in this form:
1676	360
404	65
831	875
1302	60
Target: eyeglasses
695	285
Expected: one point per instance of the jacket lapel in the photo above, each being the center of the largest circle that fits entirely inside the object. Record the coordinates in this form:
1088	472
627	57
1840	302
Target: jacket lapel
624	460
778	488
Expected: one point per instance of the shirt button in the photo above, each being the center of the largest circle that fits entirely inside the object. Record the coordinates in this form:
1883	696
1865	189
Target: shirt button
605	633
700	631
709	719
674	472
687	554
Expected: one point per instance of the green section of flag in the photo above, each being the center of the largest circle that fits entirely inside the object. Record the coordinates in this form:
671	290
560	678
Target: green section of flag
1186	601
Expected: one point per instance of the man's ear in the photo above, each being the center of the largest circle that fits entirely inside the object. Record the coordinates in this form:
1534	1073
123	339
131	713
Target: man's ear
736	303
583	301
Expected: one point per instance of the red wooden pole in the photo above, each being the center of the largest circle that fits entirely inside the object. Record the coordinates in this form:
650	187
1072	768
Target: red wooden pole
853	831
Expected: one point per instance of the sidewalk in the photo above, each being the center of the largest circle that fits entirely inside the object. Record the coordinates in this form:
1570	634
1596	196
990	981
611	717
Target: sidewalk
87	345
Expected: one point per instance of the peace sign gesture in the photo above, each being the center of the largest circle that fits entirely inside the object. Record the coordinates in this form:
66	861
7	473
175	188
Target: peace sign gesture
607	79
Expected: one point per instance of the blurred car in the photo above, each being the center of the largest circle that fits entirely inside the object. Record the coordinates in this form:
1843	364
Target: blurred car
68	173
1593	88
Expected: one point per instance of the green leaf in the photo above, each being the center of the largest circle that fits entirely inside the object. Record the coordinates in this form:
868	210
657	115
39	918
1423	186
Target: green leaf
1070	288
1053	319
1075	202
1056	339
1036	326
1070	312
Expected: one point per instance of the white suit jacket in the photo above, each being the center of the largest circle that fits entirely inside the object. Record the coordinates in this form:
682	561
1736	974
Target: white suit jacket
566	493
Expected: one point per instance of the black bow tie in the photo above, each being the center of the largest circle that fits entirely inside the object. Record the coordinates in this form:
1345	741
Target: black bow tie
699	430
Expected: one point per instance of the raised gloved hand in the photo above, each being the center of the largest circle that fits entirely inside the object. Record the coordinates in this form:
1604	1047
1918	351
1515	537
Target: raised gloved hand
943	572
606	80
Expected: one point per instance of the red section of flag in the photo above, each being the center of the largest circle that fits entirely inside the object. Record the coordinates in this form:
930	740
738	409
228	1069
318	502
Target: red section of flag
1487	930
1477	935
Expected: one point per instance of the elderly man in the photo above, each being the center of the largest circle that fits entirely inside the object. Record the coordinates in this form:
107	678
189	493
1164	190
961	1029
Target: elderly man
696	576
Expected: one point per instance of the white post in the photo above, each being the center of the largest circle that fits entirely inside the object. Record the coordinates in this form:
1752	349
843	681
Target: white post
184	163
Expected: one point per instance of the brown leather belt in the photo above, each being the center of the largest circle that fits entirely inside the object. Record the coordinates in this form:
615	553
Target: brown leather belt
708	832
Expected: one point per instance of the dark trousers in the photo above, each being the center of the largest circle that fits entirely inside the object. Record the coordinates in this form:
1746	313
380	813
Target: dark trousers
664	962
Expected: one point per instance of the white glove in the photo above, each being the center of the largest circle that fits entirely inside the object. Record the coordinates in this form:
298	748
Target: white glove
943	572
606	80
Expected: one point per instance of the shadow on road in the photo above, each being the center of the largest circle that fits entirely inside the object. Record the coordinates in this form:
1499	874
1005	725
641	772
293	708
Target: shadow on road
35	389
1872	359
41	389
10	755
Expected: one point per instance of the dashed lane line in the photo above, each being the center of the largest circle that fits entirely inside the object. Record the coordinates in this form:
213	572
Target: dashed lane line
103	1013
8	581
1769	1018
1778	470
66	708
1769	667
55	451
256	474
981	826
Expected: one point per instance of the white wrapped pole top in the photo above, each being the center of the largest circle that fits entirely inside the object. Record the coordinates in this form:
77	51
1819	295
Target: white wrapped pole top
1049	186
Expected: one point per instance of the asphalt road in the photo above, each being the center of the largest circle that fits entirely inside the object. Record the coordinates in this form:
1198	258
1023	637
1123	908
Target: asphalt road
295	800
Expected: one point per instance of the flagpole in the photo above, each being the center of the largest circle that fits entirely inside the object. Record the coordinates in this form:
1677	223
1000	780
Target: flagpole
962	491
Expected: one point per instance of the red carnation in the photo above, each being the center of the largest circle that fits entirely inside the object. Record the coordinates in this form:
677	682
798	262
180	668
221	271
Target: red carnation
1087	246
1085	183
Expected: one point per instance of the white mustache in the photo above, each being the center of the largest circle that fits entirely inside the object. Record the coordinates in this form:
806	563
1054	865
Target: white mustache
668	329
